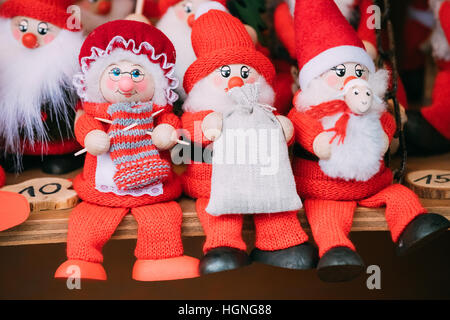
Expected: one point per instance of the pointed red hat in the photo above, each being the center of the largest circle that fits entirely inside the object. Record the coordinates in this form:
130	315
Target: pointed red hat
166	4
52	11
219	39
325	39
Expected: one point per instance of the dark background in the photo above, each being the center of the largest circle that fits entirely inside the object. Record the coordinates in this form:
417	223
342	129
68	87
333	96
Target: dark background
26	272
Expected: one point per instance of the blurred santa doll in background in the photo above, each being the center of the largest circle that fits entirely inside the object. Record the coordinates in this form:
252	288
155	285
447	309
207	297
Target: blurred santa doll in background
97	12
428	130
38	60
176	22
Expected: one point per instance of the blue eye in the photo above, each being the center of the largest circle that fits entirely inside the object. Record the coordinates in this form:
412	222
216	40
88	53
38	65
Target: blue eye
137	75
116	72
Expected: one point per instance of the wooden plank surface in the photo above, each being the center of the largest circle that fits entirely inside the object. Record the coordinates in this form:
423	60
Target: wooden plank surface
51	226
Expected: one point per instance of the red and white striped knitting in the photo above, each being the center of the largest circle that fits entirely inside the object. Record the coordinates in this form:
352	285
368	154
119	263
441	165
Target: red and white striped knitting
136	158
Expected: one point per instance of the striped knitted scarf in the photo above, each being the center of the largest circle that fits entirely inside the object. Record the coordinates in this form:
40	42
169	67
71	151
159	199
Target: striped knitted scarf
136	158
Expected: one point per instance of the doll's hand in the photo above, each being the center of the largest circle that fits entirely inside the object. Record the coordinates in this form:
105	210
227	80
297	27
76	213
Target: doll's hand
164	136
287	126
322	146
97	142
212	126
386	143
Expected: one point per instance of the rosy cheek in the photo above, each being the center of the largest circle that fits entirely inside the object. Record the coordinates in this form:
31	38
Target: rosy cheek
17	34
111	85
179	12
365	76
218	81
48	38
251	80
142	86
332	80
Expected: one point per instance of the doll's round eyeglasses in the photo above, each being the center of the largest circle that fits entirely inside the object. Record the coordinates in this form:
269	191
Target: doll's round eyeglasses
136	75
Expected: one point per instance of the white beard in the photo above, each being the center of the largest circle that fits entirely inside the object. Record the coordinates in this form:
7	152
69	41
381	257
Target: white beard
359	156
32	78
180	34
206	96
318	91
120	9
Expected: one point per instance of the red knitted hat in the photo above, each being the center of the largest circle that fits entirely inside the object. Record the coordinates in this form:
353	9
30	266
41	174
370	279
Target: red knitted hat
132	40
52	11
166	4
218	39
325	39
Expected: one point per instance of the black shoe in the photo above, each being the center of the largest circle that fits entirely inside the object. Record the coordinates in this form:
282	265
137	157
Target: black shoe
422	138
61	164
340	264
301	257
420	231
223	259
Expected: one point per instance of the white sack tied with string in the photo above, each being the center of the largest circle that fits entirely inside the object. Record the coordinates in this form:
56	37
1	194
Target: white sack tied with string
251	171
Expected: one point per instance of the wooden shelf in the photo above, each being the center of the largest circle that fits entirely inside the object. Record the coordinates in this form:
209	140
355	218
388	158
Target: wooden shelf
51	226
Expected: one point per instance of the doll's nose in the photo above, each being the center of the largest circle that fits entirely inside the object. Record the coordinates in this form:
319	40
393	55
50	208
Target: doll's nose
190	20
30	41
235	82
126	84
104	7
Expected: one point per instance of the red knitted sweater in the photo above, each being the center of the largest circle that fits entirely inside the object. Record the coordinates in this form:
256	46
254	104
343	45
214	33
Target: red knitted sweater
312	183
84	183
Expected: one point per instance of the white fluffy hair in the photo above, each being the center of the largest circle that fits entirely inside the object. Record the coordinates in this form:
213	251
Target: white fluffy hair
31	78
180	34
319	92
119	10
439	42
206	96
97	68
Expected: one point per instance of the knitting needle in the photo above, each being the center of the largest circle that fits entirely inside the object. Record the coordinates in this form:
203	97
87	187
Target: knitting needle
177	140
79	153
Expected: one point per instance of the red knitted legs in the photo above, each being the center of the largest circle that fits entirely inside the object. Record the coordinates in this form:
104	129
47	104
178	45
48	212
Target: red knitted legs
222	231
278	231
159	231
90	227
330	223
402	206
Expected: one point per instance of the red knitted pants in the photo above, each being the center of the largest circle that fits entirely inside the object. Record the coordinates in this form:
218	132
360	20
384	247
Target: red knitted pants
331	221
273	231
159	231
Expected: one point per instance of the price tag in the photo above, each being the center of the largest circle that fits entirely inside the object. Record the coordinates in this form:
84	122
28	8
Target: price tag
431	184
46	193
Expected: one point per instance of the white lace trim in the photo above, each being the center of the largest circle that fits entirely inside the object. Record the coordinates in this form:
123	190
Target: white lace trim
153	191
79	80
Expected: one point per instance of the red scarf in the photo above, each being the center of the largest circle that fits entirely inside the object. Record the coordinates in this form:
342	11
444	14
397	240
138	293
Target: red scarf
331	108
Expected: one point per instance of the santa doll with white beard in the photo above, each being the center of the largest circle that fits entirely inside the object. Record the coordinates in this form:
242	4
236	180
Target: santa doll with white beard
37	98
342	133
176	23
97	12
428	129
229	68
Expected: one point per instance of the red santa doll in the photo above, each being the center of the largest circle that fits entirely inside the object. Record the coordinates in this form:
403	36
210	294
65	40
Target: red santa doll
176	22
97	12
126	85
38	102
229	88
428	130
342	134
